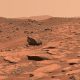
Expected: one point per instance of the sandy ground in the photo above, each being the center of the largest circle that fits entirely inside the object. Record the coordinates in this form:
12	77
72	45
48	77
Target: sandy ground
57	58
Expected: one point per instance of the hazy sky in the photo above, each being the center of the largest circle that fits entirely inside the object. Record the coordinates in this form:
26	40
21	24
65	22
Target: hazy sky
25	8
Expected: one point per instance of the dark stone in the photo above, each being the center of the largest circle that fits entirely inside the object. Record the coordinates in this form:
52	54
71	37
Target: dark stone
72	63
36	58
34	42
72	78
31	75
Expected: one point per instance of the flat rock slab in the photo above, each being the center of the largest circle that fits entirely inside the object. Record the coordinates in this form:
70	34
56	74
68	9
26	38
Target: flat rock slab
48	68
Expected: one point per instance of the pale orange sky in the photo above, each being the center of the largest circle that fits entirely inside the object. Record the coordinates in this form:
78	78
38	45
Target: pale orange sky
25	8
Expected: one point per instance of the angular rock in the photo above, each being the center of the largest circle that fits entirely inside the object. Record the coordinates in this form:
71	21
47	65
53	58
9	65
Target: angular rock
33	41
39	56
36	58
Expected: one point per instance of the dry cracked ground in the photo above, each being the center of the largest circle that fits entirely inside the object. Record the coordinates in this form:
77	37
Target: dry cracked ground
47	49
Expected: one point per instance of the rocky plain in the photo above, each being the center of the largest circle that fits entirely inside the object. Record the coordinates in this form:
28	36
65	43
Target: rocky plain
40	49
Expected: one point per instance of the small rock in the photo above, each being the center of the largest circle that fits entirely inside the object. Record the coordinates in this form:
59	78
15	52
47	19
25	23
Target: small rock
39	75
72	78
73	61
73	72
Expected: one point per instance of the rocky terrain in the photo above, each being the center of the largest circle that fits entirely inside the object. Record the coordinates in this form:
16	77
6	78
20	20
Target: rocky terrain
45	49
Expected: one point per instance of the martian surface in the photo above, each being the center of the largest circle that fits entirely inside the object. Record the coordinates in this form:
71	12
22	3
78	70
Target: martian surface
40	48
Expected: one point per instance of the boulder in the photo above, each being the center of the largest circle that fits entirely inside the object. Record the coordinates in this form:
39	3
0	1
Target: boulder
33	41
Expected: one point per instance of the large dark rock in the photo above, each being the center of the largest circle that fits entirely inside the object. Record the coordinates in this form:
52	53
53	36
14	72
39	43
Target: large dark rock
37	58
33	41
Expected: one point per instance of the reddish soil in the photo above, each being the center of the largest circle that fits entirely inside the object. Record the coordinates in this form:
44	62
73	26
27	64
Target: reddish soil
57	58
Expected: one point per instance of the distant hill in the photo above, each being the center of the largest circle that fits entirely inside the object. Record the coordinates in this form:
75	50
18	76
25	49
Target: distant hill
42	17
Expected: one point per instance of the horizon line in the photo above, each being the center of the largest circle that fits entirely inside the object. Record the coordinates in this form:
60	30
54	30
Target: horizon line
24	17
